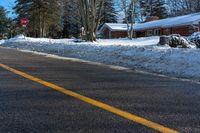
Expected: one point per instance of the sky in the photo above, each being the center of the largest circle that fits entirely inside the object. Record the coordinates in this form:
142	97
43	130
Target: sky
8	5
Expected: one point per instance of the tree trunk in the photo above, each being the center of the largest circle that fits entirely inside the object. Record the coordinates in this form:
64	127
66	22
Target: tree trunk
90	18
126	7
132	19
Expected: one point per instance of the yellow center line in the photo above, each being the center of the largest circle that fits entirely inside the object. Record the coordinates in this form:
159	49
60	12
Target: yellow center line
93	102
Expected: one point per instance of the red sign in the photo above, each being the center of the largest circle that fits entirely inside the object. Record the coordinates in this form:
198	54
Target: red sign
24	21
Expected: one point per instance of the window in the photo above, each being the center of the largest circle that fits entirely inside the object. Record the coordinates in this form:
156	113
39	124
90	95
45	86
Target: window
149	32
157	32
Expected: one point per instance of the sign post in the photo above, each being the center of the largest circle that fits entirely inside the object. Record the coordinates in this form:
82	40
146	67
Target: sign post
24	22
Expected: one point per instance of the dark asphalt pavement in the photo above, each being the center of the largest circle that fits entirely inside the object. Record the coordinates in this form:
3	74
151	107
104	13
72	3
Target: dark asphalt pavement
28	107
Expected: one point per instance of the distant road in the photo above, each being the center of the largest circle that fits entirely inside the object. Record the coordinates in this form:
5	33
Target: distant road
40	94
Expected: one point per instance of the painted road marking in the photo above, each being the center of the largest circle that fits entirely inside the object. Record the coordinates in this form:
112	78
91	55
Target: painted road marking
93	102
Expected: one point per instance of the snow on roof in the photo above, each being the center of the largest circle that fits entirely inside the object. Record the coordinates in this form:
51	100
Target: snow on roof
114	27
162	23
170	22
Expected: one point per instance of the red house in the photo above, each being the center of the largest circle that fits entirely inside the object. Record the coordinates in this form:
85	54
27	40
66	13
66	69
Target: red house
183	25
113	30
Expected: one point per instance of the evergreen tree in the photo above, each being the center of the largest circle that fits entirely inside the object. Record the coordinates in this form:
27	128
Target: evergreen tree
7	26
71	19
154	8
144	8
3	21
109	13
11	28
44	16
159	9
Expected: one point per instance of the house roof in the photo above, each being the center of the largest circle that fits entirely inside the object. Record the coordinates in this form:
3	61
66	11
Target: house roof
170	22
114	27
162	23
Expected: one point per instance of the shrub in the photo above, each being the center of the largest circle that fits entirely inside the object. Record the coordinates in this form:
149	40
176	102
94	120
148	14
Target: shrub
178	41
195	38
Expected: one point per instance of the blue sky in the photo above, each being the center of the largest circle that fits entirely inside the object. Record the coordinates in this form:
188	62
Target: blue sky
8	5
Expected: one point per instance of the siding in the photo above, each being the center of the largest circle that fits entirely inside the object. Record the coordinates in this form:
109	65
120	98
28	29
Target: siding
106	33
119	34
184	31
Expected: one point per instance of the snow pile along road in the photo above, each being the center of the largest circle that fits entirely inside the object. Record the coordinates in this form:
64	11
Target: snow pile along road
142	53
2	41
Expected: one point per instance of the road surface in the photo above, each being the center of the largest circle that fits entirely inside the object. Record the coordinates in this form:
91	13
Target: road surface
30	103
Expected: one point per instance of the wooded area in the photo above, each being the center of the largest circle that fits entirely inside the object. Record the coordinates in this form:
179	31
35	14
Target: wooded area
66	18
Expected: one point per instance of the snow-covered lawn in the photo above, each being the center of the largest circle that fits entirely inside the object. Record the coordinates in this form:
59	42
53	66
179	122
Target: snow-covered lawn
141	53
2	41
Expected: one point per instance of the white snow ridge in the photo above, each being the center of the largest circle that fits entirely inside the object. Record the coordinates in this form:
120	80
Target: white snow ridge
141	53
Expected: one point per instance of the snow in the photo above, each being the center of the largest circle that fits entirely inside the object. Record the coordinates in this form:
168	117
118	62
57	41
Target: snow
2	41
114	27
136	54
195	38
170	22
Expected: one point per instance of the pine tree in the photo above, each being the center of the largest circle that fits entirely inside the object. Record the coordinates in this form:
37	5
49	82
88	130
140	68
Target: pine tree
144	8
154	8
6	24
3	20
44	16
159	9
109	13
71	19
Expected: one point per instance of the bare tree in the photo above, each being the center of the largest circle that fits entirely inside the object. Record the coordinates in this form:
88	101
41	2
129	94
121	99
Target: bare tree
128	7
91	16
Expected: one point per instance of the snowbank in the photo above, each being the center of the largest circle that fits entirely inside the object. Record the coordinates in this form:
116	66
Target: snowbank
141	53
195	38
181	42
2	41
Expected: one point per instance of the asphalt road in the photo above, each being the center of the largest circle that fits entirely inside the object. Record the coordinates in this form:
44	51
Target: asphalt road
29	107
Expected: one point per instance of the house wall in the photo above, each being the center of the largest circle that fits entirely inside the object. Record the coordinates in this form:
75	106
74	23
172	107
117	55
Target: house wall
114	34
106	33
141	33
119	34
166	31
199	25
183	30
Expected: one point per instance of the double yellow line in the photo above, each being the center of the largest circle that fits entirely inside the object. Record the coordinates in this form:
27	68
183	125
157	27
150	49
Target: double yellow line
93	102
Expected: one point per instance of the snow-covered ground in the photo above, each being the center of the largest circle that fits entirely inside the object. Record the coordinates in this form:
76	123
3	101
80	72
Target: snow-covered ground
2	41
140	54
